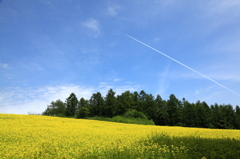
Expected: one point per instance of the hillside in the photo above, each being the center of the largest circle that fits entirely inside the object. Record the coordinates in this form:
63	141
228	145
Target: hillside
29	136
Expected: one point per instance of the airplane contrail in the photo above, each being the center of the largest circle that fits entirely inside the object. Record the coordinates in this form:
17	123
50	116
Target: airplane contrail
183	65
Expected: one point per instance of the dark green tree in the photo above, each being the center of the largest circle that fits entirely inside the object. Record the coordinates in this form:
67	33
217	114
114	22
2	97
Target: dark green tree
128	100
132	113
71	105
136	99
110	104
159	102
180	114
237	117
172	110
56	108
82	103
83	112
199	115
216	117
149	106
205	122
161	116
121	108
189	114
141	101
96	104
226	113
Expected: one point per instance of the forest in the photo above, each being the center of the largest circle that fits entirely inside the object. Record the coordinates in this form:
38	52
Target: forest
170	112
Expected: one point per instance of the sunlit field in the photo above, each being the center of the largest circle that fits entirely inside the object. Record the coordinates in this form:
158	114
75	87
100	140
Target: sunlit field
32	136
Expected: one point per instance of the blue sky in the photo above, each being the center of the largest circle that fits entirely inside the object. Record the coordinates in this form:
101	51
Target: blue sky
49	49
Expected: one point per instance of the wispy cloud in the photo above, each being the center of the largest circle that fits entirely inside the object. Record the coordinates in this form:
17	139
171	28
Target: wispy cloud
216	75
225	76
93	25
117	79
3	65
23	100
163	81
219	13
222	7
105	86
112	10
204	90
156	39
225	71
210	94
193	70
229	44
36	66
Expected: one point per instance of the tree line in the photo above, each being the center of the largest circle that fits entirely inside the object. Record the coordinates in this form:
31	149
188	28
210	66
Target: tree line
171	112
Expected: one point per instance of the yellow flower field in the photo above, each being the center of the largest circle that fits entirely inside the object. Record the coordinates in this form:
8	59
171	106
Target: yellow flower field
30	136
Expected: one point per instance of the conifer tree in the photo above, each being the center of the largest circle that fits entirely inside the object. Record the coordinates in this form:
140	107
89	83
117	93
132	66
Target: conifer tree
71	105
110	104
172	106
96	104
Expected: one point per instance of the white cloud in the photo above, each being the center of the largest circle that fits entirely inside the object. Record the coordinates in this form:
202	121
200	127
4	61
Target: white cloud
102	84
18	100
205	90
112	10
163	81
227	45
22	100
226	77
117	79
218	76
3	65
210	94
119	89
36	66
93	25
218	13
156	39
224	6
196	92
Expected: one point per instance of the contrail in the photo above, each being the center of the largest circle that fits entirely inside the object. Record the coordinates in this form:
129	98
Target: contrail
183	65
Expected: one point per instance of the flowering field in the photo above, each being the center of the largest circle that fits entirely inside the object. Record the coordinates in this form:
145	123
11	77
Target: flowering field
30	136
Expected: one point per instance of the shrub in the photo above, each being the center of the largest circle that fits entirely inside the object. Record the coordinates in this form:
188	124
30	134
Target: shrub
132	113
122	119
83	112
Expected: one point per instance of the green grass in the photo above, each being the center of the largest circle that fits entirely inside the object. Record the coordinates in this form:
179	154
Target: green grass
122	119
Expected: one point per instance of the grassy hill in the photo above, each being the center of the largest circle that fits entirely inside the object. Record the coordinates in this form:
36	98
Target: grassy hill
32	136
